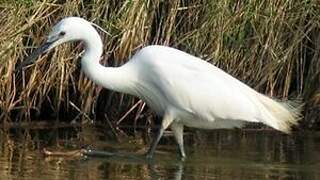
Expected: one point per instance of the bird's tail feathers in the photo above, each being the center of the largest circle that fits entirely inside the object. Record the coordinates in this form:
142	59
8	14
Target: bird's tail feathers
281	115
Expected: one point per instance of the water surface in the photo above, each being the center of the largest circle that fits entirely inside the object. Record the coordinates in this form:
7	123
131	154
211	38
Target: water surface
218	154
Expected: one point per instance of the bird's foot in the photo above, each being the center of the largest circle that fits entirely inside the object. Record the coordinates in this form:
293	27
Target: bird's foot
183	157
149	155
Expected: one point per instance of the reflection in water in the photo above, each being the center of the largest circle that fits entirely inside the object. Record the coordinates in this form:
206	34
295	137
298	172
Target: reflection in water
222	154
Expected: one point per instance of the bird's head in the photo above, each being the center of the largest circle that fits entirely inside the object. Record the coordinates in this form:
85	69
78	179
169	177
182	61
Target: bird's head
68	29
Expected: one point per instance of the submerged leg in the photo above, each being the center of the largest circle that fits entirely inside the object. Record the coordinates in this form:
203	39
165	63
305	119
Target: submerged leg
154	143
166	121
177	130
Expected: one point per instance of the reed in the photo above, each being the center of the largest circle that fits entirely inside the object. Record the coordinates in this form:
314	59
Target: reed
270	45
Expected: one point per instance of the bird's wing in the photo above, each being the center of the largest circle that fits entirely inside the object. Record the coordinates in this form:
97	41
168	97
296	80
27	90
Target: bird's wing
198	87
172	78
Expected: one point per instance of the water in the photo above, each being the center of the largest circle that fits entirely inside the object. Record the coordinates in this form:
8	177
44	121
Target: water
218	154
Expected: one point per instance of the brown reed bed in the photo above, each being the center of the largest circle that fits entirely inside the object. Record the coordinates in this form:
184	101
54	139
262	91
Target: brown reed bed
273	46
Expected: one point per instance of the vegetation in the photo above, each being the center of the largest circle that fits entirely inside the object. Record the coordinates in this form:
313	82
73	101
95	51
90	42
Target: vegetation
273	46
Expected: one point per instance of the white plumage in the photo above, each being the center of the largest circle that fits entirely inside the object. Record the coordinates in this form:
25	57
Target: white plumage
186	90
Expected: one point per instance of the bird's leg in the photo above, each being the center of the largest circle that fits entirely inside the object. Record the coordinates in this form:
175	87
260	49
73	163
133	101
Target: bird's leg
166	121
177	130
154	144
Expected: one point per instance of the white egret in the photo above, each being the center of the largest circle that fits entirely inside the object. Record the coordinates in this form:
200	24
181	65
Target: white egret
183	89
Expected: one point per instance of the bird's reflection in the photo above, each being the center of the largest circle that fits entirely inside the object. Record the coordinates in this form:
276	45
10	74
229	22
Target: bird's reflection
128	162
176	174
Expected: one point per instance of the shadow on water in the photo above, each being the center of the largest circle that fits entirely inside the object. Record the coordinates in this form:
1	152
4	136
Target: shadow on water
219	154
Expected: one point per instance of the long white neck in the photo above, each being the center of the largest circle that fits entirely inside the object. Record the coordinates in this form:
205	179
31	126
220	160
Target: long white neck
119	79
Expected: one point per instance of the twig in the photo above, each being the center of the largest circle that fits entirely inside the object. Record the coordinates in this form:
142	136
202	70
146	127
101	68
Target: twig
128	112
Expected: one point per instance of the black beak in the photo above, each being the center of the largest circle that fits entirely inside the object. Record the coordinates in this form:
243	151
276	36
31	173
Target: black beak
32	58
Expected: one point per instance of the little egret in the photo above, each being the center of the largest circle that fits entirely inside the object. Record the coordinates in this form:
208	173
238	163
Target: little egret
183	89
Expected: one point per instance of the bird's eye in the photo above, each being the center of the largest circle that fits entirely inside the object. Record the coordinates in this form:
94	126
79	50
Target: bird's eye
62	33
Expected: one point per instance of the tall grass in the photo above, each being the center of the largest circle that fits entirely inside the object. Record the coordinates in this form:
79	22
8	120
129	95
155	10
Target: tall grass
270	45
